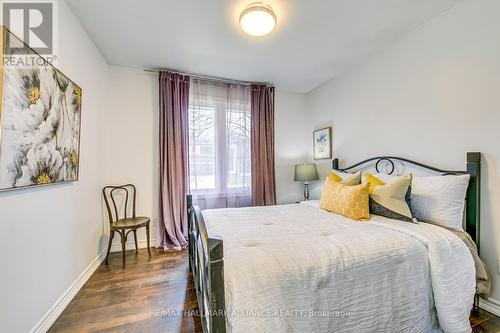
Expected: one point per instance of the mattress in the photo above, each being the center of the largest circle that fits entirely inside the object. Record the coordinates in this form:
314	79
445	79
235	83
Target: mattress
297	268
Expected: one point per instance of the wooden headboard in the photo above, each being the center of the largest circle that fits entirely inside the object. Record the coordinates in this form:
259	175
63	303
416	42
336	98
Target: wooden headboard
472	167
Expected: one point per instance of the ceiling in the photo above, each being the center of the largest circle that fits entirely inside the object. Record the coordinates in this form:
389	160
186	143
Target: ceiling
314	39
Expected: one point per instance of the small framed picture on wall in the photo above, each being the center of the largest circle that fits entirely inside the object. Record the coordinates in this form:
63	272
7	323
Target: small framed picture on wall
322	143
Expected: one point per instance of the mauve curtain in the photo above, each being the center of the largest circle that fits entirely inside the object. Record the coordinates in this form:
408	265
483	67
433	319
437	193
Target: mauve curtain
262	145
173	161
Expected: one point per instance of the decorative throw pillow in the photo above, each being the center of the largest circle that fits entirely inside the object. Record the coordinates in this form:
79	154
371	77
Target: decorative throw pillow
391	199
374	182
345	178
350	201
385	178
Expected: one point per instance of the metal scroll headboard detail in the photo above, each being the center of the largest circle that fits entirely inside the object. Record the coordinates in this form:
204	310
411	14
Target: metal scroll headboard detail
390	159
473	198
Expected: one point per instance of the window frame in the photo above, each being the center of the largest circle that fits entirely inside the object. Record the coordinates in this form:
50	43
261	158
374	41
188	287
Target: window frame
221	175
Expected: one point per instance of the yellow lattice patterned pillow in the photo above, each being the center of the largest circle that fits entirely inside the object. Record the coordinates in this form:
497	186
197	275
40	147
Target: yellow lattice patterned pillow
350	201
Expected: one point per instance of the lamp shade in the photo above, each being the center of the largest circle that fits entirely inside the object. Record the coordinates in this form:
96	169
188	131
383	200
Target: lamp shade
305	172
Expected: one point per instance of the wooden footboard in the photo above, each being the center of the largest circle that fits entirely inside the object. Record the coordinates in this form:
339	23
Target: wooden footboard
206	262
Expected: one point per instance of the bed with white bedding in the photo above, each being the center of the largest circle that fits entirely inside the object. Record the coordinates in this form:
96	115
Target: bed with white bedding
298	268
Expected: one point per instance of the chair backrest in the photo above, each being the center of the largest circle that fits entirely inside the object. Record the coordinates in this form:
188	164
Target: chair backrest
111	193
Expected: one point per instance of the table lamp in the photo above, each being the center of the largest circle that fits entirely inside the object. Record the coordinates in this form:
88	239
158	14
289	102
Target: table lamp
305	172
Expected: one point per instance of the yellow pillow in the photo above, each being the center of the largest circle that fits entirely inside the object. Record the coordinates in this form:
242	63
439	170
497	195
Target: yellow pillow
350	201
374	182
391	199
334	177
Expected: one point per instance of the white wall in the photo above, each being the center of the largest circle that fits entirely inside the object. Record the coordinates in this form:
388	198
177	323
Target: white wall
49	235
291	143
131	141
432	96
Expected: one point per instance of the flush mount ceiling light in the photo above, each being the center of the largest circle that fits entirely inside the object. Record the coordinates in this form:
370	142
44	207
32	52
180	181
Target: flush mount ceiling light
258	19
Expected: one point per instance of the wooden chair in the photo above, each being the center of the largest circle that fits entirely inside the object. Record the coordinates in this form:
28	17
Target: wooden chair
126	224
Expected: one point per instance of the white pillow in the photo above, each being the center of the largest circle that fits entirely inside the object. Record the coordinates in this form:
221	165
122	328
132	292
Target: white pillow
440	199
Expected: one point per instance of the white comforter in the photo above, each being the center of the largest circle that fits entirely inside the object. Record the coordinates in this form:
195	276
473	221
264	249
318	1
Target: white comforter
297	268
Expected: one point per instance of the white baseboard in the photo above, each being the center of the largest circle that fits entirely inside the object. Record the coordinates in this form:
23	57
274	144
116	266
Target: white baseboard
490	305
55	311
130	245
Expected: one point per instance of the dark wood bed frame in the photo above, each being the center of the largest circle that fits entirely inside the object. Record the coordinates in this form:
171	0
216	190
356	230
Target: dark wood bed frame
206	256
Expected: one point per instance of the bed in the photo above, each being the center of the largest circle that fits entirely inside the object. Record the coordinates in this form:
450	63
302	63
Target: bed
297	268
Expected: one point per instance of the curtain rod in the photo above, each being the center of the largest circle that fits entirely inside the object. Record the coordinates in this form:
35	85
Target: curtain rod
206	77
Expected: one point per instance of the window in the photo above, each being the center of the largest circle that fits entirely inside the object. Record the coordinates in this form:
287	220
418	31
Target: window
219	144
201	147
238	148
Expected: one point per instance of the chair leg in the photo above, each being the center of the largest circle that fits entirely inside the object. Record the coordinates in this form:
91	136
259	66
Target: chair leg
135	238
124	239
111	235
147	238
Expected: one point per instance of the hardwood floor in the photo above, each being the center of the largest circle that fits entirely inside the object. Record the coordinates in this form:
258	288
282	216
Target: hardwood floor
156	296
146	296
484	322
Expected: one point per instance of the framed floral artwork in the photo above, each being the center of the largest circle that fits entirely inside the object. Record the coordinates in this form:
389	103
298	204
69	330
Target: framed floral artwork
322	143
40	118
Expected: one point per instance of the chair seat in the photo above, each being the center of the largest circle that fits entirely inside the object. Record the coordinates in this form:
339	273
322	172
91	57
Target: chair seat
131	222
